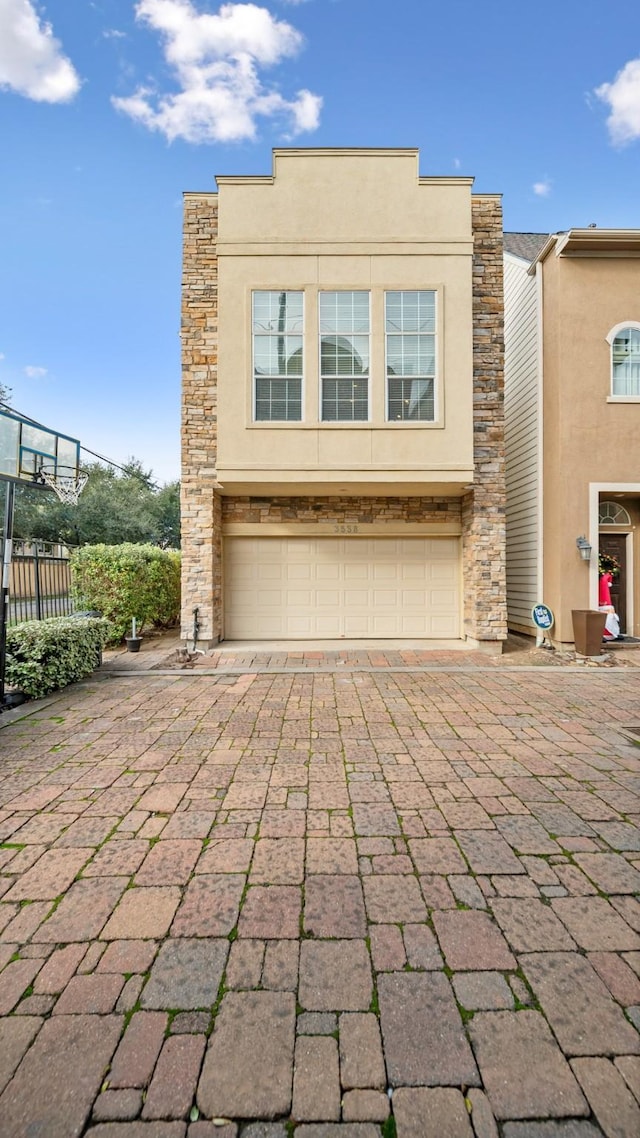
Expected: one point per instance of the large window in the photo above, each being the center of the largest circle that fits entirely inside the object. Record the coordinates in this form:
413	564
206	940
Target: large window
410	326
344	356
277	355
625	361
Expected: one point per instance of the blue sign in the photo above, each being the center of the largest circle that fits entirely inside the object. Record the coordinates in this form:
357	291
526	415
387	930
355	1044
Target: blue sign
542	617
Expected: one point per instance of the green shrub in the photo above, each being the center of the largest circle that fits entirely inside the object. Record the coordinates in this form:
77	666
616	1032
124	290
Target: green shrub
45	655
127	581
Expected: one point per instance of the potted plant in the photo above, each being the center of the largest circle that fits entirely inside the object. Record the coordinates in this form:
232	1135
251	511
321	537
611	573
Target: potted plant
133	641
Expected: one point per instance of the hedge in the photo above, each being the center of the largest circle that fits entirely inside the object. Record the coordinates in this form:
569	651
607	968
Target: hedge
45	655
127	581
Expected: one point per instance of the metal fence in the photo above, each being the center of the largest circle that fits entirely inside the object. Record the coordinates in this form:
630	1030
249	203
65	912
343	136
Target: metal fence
39	582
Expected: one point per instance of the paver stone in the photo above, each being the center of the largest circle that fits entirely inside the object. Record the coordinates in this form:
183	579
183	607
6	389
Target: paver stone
529	925
186	974
431	1112
584	1017
53	1089
472	941
609	1097
595	924
316	1079
145	911
248	1067
424	1040
83	911
334	906
335	975
210	906
523	1070
16	1034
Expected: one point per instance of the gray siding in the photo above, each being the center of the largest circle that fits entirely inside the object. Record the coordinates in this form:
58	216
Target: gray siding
522	442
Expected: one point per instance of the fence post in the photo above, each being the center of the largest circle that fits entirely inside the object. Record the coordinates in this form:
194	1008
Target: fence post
36	581
7	544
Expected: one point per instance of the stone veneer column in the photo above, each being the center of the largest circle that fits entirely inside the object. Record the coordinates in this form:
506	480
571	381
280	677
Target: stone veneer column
483	508
201	507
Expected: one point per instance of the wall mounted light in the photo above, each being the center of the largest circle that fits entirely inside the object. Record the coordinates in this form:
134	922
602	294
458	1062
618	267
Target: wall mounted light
584	547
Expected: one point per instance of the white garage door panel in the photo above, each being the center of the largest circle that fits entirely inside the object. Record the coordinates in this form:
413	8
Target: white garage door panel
326	588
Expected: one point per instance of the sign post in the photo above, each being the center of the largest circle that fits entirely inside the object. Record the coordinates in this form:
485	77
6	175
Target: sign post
544	620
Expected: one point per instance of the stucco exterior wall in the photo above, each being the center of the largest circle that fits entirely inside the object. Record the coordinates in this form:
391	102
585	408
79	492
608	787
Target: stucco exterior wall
588	439
345	220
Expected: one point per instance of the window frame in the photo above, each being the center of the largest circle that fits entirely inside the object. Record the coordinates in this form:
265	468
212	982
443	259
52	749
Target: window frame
368	421
613	396
254	393
435	420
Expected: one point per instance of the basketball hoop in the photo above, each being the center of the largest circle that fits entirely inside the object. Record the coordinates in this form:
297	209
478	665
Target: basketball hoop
65	481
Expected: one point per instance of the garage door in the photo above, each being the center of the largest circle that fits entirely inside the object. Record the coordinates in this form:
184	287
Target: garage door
324	588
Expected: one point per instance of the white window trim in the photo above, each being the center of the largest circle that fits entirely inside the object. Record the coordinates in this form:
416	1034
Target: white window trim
610	337
255	422
324	423
613	521
436	355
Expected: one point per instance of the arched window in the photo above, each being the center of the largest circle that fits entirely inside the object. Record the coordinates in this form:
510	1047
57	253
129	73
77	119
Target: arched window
625	359
613	514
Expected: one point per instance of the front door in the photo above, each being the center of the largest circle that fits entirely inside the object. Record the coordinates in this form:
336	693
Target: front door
615	545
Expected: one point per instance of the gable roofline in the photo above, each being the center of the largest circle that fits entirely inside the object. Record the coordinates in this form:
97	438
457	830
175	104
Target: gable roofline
524	246
590	242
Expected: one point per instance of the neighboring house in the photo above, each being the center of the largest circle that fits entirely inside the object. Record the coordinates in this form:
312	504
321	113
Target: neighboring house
342	427
572	421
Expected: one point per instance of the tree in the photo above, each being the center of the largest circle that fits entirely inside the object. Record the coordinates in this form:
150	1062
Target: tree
167	506
114	507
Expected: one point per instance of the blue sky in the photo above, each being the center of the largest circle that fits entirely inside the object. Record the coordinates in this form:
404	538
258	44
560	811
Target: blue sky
109	109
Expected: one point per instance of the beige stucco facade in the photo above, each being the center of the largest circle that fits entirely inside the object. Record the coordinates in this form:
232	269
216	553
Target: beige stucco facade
343	220
588	284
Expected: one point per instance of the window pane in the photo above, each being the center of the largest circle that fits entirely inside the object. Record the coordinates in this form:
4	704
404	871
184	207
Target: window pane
410	355
410	311
344	355
277	355
277	312
344	312
344	400
626	362
411	399
279	399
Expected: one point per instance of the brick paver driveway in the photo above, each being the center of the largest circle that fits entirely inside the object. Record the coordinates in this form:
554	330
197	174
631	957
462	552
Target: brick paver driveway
353	903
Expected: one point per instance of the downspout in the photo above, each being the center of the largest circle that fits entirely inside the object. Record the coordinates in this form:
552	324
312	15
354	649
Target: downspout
540	638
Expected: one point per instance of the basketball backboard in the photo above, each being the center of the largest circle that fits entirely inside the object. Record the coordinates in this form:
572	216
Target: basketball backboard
26	447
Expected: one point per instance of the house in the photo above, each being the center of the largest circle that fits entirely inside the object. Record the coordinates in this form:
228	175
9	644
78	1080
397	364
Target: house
572	422
342	416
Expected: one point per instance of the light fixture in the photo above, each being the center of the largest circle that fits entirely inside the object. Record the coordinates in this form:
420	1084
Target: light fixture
584	547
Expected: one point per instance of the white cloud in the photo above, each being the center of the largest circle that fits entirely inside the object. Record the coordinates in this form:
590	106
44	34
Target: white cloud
623	99
32	62
114	34
542	189
35	372
216	60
